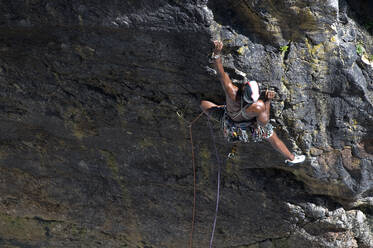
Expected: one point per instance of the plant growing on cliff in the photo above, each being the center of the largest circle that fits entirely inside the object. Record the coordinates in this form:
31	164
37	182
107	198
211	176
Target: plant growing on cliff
284	49
359	49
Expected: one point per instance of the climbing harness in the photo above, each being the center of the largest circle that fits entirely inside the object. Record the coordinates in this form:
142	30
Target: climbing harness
248	131
235	132
245	131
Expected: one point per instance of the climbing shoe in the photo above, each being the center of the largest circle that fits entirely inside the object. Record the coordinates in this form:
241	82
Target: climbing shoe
297	159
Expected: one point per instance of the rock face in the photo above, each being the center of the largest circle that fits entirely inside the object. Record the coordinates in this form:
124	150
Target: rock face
95	104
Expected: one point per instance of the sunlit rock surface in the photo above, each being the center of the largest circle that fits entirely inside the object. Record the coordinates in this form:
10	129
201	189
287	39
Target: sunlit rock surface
95	103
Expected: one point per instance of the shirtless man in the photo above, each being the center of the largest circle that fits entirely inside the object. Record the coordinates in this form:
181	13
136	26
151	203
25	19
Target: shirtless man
245	106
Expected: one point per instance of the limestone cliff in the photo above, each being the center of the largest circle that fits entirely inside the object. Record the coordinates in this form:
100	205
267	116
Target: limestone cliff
95	100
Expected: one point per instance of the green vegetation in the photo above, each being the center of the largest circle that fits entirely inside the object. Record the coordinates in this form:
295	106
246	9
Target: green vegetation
284	49
359	49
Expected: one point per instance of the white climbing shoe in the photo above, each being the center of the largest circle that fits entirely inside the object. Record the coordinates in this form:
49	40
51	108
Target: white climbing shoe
297	159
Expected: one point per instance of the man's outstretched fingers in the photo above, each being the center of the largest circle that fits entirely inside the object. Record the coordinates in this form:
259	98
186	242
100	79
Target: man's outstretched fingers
270	94
218	46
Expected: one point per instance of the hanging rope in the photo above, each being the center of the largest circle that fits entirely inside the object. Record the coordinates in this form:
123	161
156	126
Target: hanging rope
218	191
194	178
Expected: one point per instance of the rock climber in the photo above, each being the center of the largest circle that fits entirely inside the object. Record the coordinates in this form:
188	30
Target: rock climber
244	106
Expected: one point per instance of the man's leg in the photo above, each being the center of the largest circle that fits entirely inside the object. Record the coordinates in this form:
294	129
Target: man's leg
280	146
212	110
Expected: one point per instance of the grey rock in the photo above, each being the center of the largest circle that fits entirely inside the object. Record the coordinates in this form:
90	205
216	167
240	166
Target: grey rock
96	99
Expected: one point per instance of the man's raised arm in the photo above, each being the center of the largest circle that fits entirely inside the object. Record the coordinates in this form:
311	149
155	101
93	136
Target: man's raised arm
226	82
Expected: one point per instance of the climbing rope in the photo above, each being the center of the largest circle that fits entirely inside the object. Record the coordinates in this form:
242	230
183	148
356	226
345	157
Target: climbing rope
194	178
218	191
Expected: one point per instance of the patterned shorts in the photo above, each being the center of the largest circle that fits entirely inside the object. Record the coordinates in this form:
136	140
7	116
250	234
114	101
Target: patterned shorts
262	132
